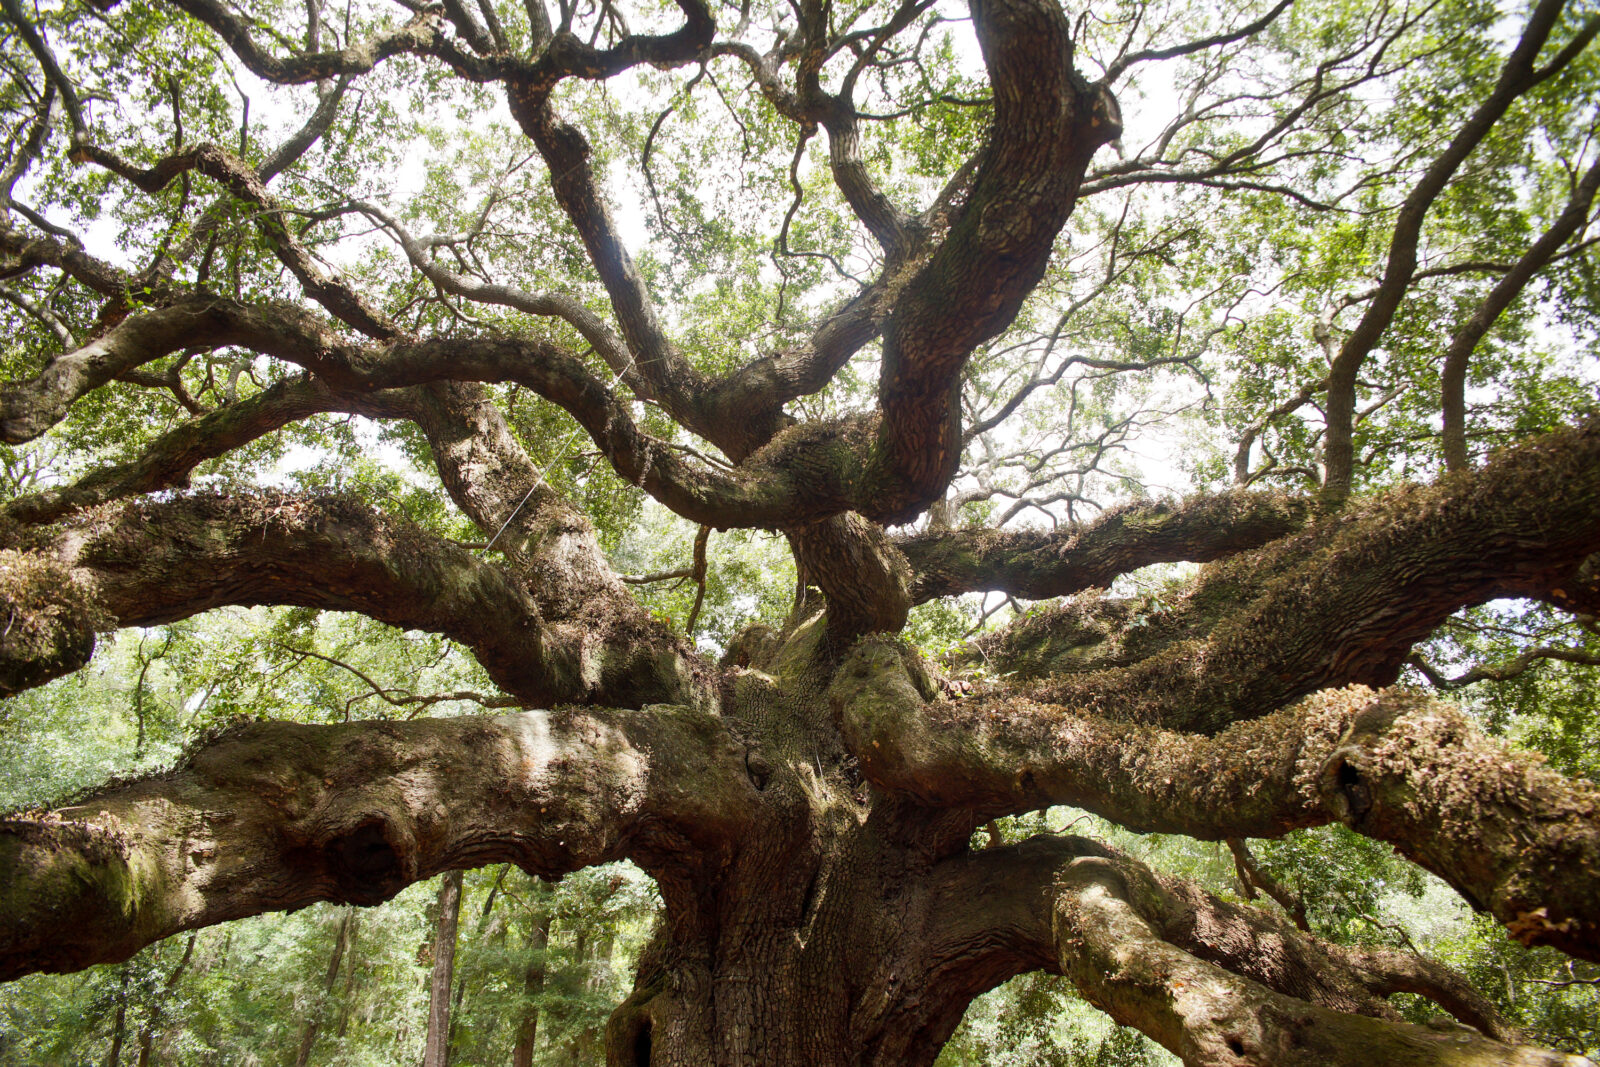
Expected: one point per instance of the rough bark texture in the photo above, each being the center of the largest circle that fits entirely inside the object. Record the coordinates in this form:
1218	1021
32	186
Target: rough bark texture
807	807
274	816
808	827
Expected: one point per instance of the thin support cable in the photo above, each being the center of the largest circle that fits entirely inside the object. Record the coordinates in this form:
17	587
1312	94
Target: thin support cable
538	480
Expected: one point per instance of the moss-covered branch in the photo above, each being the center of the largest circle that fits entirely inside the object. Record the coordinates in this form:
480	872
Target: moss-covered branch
1015	908
1341	602
275	816
1191	974
1517	839
1039	564
155	561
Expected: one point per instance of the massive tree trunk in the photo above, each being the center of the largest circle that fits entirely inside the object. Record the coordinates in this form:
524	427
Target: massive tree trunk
808	822
808	817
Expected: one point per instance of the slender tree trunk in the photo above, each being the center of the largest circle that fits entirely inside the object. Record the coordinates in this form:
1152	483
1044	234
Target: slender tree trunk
457	1011
587	1045
119	1022
353	961
437	1050
532	988
308	1032
147	1033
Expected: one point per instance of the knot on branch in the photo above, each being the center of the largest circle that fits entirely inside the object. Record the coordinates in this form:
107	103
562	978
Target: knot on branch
367	864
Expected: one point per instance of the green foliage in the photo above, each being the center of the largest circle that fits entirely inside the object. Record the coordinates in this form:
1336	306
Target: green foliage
1037	1020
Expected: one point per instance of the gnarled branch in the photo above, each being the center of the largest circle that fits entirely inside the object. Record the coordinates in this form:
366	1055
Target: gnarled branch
275	816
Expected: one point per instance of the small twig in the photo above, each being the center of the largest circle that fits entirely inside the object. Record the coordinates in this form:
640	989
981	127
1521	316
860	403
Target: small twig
1393	928
658	576
405	699
1253	878
698	573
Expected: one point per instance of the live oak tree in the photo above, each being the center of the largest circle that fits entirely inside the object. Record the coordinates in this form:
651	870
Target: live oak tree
888	281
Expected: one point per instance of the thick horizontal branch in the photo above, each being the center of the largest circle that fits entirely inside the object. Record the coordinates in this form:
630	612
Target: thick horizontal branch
157	561
806	474
276	816
25	253
421	35
1039	564
154	562
1343	601
170	459
1516	839
31	406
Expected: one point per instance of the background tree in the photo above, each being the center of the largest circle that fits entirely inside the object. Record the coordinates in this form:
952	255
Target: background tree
560	349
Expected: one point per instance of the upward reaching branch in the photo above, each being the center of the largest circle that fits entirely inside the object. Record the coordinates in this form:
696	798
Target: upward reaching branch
1518	75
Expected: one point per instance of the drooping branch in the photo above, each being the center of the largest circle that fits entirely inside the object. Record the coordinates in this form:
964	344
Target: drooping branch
1003	911
275	816
1255	881
153	562
1196	975
1039	564
1510	668
30	407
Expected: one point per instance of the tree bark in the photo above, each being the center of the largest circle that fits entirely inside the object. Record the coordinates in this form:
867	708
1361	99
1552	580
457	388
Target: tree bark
349	976
152	1024
275	816
119	1021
